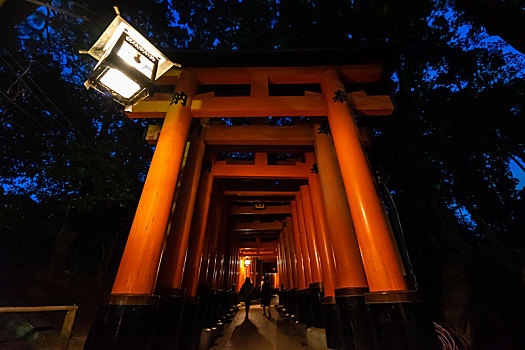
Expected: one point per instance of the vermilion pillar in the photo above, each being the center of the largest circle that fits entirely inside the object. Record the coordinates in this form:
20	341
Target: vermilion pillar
323	236
297	251
290	253
280	259
218	271
172	267
213	237
282	263
311	234
297	216
286	261
140	262
349	265
382	264
198	230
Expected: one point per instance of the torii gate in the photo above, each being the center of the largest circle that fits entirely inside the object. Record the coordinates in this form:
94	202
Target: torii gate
367	261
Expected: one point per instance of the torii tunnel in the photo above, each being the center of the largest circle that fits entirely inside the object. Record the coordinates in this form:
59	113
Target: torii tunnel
297	204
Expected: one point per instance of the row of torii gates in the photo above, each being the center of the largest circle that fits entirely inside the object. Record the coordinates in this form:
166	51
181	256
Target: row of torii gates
317	214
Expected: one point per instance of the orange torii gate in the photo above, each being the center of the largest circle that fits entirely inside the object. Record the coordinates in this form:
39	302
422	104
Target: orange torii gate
317	244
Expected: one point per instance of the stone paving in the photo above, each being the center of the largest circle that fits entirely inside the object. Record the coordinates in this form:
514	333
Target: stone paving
260	333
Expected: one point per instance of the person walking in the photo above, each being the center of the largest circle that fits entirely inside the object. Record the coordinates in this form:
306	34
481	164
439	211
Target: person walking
266	296
246	295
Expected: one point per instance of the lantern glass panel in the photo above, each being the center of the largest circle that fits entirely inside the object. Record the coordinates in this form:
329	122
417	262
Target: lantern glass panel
136	59
119	82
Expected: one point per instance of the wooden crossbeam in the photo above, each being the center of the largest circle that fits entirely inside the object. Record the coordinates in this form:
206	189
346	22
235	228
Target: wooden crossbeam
312	104
260	245
250	252
380	105
260	169
264	257
257	106
268	210
275	225
260	193
261	135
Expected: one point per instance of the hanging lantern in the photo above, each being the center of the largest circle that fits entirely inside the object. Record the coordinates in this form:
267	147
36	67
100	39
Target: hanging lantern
128	63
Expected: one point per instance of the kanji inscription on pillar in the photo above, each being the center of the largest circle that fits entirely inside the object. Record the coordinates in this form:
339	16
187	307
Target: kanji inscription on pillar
340	96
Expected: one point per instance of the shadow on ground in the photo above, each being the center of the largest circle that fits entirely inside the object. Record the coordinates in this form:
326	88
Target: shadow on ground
247	336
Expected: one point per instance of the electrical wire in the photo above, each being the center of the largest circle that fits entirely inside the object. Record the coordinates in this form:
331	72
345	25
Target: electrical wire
71	125
19	79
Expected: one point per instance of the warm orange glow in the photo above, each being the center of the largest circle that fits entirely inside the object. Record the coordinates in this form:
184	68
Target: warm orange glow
316	244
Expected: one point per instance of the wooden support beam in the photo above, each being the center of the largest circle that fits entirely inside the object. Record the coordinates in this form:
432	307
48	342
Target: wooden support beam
153	133
380	105
264	135
313	104
268	210
275	225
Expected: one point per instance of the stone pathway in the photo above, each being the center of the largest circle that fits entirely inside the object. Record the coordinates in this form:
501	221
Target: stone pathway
259	333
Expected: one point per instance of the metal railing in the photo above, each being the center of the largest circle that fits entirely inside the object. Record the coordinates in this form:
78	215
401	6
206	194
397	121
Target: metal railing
67	326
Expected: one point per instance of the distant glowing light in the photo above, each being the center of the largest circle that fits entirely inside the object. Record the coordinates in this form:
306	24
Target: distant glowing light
120	83
247	262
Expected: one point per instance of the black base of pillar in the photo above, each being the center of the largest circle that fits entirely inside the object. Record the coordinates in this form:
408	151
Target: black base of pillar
304	313
289	301
316	293
294	303
353	314
332	323
125	322
169	320
190	330
398	321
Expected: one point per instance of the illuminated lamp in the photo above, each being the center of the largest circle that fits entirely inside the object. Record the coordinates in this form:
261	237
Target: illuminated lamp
247	262
128	63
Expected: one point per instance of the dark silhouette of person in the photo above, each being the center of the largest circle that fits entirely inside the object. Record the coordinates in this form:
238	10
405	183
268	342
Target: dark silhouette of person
246	294
266	296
